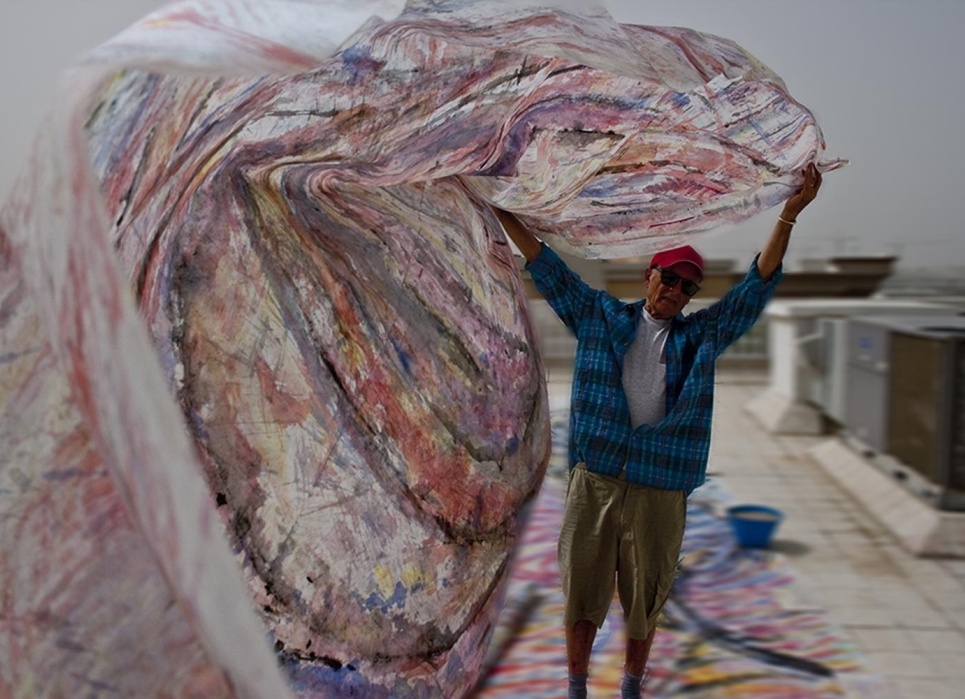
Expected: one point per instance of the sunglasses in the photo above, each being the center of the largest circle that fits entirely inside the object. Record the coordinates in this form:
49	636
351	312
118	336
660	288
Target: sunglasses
670	279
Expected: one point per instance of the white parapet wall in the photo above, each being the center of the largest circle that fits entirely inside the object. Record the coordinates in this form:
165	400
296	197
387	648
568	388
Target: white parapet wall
920	527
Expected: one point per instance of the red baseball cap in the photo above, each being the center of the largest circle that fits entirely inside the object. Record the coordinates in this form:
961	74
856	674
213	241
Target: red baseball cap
682	255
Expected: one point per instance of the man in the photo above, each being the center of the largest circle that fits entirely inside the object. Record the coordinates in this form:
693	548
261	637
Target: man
640	421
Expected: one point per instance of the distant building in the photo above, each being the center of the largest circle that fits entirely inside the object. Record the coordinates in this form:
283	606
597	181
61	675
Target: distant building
931	282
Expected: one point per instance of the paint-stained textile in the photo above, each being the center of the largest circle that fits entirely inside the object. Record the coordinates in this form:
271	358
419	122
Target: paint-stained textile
269	398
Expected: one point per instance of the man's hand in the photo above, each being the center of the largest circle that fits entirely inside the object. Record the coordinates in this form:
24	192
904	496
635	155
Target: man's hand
797	203
527	243
774	250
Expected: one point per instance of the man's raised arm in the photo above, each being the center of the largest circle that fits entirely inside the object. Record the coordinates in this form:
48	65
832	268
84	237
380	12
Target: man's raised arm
773	253
527	243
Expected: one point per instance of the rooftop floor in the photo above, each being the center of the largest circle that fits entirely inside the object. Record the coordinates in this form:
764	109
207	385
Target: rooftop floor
905	614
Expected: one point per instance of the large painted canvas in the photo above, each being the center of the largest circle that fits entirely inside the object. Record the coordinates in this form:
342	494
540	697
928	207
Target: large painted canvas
270	402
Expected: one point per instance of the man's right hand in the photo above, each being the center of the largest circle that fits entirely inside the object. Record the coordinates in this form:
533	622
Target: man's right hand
527	243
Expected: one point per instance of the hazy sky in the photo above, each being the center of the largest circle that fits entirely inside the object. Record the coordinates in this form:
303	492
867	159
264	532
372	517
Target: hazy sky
883	77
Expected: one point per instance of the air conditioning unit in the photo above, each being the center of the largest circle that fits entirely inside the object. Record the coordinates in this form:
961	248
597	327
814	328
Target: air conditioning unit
926	422
906	398
867	362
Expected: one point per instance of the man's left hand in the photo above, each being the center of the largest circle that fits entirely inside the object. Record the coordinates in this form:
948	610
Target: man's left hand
809	190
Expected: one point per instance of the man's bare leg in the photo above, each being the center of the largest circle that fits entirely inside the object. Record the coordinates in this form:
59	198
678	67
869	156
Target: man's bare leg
579	643
638	651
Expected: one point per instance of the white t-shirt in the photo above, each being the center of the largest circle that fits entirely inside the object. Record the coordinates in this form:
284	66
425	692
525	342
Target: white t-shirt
645	371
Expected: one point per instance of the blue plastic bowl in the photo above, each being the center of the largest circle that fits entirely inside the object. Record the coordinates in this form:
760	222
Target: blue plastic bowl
754	525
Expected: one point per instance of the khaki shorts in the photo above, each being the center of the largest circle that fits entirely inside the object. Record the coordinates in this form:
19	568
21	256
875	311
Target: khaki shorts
614	529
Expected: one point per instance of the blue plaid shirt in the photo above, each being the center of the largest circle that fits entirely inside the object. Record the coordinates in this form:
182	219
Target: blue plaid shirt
671	454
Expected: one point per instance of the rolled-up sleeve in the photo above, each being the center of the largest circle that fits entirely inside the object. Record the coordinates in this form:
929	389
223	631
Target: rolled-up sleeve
737	311
567	294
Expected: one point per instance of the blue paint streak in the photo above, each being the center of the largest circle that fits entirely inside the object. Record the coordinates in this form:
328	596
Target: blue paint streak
512	446
14	356
397	599
316	677
403	356
64	475
358	59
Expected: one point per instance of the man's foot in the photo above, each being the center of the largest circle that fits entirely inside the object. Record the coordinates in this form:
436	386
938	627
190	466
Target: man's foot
577	687
632	685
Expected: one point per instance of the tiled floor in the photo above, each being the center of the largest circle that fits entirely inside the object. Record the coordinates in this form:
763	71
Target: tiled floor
905	613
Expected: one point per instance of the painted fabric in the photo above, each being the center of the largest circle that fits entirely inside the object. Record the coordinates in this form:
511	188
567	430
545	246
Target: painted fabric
269	399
